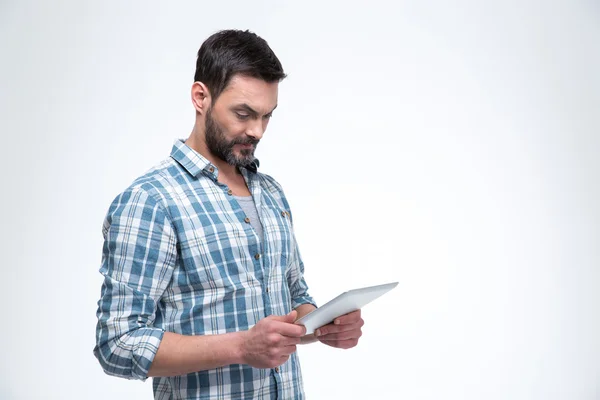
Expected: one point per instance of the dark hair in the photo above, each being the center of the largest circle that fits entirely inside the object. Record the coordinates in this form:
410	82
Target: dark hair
230	52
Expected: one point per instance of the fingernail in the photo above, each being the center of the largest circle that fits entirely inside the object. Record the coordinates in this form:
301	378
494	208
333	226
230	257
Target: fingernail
318	332
337	322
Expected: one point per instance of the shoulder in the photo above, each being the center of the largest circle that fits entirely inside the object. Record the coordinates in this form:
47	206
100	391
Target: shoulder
161	179
150	191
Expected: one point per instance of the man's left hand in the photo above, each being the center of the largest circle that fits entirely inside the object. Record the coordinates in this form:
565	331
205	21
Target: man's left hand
343	333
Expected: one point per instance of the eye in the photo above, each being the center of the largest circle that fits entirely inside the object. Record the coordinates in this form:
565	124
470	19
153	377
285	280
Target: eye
268	116
242	117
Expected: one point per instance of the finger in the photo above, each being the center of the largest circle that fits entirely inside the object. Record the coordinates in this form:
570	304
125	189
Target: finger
283	358
287	350
354	334
331	328
290	341
341	344
289	318
349	318
289	329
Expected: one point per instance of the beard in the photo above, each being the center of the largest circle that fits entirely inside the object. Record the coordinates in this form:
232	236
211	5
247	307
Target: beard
219	146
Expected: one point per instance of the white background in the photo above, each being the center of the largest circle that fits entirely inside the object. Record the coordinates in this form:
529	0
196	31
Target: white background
452	146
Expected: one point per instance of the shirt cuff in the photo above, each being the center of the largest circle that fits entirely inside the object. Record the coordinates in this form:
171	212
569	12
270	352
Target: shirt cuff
130	356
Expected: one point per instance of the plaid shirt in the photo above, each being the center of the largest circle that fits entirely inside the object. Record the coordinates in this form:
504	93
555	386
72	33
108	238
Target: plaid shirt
179	256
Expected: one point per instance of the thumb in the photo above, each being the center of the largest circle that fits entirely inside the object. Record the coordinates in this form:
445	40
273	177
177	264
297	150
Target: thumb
289	318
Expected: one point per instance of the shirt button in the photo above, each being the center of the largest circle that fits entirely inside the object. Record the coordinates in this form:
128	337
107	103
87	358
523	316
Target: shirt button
276	369
267	290
257	256
283	213
230	192
211	169
247	220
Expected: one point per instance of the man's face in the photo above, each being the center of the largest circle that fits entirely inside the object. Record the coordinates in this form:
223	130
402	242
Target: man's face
237	120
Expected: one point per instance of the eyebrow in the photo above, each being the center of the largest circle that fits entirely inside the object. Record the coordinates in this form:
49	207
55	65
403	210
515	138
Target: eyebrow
251	110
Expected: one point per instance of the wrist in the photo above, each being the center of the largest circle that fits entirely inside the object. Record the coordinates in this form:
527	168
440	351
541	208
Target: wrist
239	347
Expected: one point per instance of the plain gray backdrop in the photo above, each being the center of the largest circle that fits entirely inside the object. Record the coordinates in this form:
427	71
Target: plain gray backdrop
452	146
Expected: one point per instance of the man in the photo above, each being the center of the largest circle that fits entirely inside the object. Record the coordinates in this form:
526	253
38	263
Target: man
203	279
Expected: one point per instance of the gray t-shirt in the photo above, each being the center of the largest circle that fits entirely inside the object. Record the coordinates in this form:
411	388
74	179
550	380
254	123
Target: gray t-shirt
247	204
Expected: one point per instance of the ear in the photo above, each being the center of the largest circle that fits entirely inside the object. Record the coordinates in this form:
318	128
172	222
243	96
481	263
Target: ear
200	97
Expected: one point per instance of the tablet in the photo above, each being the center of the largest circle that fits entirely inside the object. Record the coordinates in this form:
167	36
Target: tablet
346	302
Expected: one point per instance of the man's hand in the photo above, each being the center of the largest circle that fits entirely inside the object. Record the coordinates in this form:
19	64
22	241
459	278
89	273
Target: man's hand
343	333
270	342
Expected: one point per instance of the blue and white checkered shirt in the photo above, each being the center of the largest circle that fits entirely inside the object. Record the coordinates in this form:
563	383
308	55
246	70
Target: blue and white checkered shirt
180	256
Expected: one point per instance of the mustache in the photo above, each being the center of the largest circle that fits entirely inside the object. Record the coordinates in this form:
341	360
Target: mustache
251	141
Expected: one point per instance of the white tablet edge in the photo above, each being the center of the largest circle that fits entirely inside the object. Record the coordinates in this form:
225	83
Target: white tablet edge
345	303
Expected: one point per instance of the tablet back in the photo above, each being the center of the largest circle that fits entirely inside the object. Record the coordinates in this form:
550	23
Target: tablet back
346	302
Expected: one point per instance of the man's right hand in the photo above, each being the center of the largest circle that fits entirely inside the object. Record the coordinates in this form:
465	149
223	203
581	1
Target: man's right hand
270	342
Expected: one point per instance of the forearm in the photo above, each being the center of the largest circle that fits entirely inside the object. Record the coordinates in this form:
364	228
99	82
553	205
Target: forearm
180	354
302	311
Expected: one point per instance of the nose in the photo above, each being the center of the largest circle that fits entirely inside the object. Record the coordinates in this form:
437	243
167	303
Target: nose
255	130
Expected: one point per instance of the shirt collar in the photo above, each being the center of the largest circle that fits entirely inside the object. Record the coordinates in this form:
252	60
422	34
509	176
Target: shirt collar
195	163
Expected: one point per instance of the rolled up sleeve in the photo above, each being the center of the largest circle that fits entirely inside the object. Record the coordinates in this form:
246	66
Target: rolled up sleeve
138	258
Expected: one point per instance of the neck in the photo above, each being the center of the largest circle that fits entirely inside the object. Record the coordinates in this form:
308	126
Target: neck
197	142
